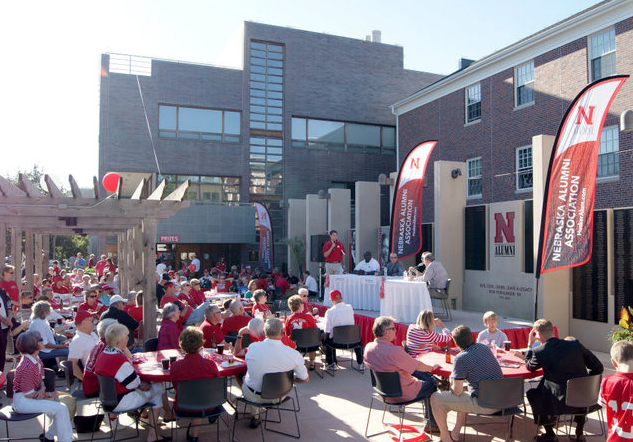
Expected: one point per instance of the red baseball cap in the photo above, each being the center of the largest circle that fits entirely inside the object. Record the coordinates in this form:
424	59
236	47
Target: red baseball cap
77	289
169	284
335	294
58	278
81	315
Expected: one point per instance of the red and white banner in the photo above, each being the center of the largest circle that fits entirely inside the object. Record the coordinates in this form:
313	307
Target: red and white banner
567	221
265	238
406	213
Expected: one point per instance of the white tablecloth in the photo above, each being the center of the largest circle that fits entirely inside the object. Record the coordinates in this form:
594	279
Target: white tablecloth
361	292
404	300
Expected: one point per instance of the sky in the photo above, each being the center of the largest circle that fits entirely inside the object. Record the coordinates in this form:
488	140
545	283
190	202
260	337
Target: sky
49	81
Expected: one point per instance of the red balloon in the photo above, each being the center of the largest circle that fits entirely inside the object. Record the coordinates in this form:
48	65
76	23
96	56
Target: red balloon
110	181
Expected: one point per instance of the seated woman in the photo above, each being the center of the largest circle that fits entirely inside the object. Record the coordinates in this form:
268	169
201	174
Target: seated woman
135	310
91	304
51	349
192	366
252	286
115	362
421	336
299	320
29	391
169	332
255	330
260	306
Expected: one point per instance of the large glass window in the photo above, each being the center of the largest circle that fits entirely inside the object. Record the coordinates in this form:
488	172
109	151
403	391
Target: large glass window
602	54
473	167
473	103
524	167
339	135
609	154
266	86
191	123
266	166
207	188
524	84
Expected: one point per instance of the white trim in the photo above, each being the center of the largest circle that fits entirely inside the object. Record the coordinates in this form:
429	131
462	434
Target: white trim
581	25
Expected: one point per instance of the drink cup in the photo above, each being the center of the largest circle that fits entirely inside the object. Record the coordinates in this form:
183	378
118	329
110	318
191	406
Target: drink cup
52	324
315	311
507	345
165	363
75	309
220	348
230	360
59	321
172	359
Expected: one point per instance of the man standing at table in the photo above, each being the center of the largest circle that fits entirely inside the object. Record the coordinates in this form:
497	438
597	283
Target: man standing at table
333	251
368	266
394	266
337	315
561	360
474	363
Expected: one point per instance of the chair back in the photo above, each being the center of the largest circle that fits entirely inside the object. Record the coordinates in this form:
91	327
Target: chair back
346	334
583	392
150	344
278	293
306	337
232	333
9	384
107	392
448	284
201	394
246	340
500	393
405	346
68	373
277	385
49	381
386	383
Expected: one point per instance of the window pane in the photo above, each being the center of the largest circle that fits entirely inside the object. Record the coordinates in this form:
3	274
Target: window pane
363	134
389	137
326	131
232	123
167	117
199	120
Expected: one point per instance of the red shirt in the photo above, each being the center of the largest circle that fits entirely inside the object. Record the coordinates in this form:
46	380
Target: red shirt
615	396
100	267
168	335
260	307
56	271
90	383
210	331
97	309
192	366
62	290
235	323
222	286
12	290
281	282
28	375
114	364
197	297
299	321
336	255
221	266
111	268
185	297
307	308
167	299
135	312
262	283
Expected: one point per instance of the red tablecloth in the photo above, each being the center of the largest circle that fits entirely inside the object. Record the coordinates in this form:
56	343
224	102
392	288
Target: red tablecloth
511	365
148	365
3	379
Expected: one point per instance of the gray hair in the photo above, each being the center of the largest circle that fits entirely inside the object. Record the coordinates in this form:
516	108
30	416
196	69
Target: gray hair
256	326
27	342
169	310
115	333
381	323
45	290
210	309
103	325
429	256
235	306
273	327
41	309
303	291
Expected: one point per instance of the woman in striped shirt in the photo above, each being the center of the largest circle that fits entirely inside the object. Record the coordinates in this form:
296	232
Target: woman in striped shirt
421	336
29	393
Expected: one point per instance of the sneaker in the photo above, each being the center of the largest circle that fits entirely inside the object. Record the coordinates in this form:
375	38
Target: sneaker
254	422
362	366
546	438
331	367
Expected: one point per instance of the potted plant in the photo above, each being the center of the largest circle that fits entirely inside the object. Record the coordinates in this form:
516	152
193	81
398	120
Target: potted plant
625	329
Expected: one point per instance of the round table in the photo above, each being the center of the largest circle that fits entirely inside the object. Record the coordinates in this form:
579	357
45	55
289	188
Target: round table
511	366
149	368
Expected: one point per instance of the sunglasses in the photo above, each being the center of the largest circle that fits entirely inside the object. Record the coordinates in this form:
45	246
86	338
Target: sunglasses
92	296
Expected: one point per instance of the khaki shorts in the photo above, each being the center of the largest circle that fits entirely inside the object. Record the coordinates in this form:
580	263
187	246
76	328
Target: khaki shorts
464	403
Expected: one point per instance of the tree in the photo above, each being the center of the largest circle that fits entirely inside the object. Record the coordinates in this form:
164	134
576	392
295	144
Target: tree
36	176
297	248
65	246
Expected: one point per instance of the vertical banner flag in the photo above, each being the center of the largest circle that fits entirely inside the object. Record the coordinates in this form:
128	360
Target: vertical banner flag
567	217
406	212
265	237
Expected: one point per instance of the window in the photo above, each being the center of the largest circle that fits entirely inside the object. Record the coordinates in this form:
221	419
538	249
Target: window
473	103
524	167
524	84
266	168
339	135
608	156
474	177
602	54
192	123
206	188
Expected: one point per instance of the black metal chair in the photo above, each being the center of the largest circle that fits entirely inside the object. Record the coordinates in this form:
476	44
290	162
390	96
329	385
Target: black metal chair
200	398
506	395
150	344
387	385
346	337
276	388
108	401
307	340
8	414
582	393
442	296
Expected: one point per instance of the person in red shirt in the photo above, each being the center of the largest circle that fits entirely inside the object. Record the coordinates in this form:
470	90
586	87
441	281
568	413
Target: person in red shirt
197	296
222	284
260	298
91	303
169	331
47	295
90	383
100	266
255	329
185	292
281	283
333	251
221	265
56	268
110	267
59	287
299	320
91	261
237	320
192	366
170	294
136	310
210	327
262	282
9	285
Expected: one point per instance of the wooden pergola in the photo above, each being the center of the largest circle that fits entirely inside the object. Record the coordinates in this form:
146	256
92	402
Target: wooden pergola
33	215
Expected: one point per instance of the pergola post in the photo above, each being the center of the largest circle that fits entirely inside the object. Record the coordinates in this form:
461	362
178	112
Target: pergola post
29	261
122	260
3	243
149	278
16	253
37	254
137	256
46	254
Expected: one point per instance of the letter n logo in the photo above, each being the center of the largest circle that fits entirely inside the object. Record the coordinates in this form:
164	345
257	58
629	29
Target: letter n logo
504	227
582	114
415	162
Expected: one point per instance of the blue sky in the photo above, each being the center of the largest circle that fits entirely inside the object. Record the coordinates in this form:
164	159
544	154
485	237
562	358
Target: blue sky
49	84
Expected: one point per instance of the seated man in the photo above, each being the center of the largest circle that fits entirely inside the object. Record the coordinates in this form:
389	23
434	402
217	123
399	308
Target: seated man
560	360
237	320
117	311
434	274
394	266
311	284
369	266
337	315
270	356
415	377
211	329
83	342
474	363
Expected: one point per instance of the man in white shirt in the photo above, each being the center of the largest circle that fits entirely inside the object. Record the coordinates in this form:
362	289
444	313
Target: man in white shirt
369	266
270	356
196	263
82	343
310	283
337	315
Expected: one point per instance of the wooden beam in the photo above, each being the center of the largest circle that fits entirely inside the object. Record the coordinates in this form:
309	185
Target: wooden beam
179	193
9	189
137	258
53	190
97	188
3	242
74	188
37	254
149	278
46	253
29	261
29	187
157	194
16	253
140	190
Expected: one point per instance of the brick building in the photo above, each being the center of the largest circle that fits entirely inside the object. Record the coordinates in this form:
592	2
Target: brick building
307	112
